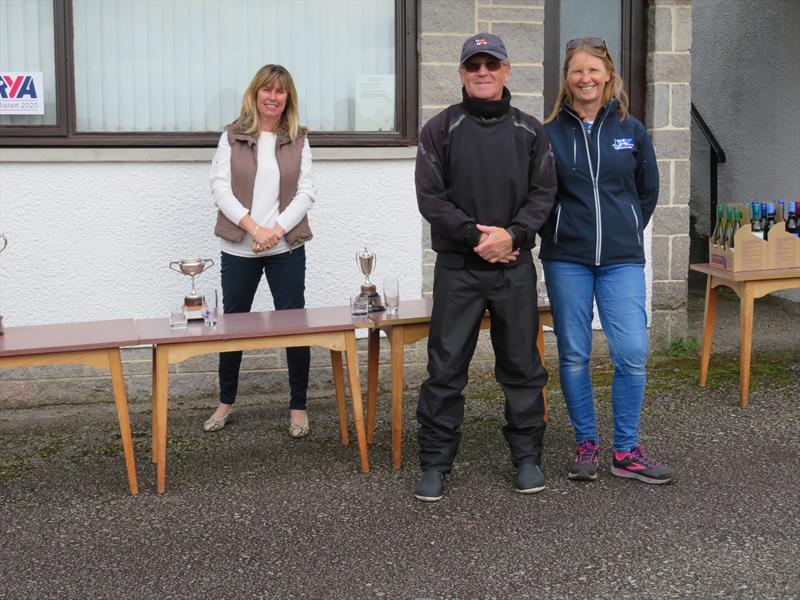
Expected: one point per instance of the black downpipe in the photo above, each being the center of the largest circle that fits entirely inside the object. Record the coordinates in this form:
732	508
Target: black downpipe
717	155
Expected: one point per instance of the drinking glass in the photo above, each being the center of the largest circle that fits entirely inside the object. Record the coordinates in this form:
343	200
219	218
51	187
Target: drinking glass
359	305
178	318
210	310
391	295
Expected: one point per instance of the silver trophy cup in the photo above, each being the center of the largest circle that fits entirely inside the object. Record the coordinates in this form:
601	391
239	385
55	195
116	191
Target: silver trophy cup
192	267
366	263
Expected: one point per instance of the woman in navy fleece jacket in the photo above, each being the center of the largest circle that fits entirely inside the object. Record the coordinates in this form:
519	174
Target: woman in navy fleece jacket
592	249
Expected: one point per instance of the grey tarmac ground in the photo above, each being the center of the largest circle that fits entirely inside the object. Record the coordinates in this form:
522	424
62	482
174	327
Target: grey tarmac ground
251	513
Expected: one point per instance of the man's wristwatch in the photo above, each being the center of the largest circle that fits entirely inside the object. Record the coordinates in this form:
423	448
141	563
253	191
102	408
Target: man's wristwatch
514	233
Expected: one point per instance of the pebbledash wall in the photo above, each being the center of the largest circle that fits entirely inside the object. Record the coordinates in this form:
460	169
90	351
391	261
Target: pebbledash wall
92	231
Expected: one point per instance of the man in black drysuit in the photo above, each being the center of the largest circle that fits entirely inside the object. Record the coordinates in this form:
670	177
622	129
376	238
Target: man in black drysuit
485	180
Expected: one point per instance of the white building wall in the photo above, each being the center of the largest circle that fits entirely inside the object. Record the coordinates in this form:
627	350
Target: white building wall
93	240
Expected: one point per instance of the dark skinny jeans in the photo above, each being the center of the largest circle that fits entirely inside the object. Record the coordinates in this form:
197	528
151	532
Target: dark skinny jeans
286	274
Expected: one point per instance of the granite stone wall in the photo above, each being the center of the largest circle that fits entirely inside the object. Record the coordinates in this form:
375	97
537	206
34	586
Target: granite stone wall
668	117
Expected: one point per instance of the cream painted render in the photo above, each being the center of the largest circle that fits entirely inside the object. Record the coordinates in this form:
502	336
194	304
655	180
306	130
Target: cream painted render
93	240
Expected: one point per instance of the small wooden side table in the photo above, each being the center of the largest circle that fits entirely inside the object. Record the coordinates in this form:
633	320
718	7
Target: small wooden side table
748	285
95	344
332	328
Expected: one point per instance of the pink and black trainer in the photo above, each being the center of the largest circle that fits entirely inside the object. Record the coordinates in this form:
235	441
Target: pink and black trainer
584	466
635	464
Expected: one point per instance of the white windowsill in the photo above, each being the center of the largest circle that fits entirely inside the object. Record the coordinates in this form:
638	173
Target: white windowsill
34	155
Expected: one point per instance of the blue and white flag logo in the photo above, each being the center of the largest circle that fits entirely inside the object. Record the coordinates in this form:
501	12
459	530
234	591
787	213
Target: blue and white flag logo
623	144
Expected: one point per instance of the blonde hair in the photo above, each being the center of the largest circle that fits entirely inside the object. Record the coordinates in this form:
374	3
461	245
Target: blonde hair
615	87
248	120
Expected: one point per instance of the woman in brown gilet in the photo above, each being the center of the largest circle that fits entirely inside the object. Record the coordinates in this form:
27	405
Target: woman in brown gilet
262	185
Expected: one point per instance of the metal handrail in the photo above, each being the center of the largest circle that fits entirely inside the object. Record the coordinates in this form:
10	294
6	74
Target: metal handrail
717	155
707	133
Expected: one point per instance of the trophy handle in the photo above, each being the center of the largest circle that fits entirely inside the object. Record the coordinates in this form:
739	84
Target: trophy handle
175	262
3	242
207	262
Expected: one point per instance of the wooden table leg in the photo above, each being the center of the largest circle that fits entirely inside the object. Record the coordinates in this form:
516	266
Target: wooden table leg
355	391
338	383
373	360
121	401
397	341
540	346
162	391
709	315
154	413
745	341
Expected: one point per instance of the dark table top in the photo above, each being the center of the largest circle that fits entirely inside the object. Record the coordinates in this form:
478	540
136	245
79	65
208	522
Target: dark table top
409	311
415	311
68	337
253	325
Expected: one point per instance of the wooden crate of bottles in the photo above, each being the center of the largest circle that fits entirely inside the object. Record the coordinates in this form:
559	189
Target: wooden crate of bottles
748	251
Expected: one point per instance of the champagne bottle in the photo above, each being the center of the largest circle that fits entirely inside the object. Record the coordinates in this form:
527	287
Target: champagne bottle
730	227
791	221
737	223
719	227
758	231
770	219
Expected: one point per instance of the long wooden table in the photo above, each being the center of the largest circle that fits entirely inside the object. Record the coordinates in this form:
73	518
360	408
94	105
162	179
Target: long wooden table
95	344
331	328
748	285
410	324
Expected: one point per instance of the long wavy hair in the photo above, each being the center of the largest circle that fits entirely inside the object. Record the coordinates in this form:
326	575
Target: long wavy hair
615	88
289	121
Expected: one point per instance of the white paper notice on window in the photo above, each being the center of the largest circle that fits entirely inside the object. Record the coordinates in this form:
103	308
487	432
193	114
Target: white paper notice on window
375	103
21	93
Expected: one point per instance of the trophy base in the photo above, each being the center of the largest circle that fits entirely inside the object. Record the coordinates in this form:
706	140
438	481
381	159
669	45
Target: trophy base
193	300
373	298
194	307
194	313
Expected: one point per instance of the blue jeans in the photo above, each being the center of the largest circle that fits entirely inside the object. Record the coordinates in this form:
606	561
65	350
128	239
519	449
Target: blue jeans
619	291
286	275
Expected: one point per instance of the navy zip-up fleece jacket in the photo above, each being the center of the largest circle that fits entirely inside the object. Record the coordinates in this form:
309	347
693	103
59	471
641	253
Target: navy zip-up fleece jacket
495	170
607	189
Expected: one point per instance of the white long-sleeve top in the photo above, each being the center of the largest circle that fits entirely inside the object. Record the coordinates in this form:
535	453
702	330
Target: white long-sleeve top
265	193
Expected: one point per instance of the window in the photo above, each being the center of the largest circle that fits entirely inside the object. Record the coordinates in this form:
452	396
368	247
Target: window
621	23
29	48
172	72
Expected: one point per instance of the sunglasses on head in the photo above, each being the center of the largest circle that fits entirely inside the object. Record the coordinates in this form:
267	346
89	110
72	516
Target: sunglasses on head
492	64
593	42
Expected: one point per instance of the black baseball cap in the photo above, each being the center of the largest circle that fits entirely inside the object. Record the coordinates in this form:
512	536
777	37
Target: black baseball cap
484	43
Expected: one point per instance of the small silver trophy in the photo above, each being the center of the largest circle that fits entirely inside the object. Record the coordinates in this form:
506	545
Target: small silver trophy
3	244
192	267
366	263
